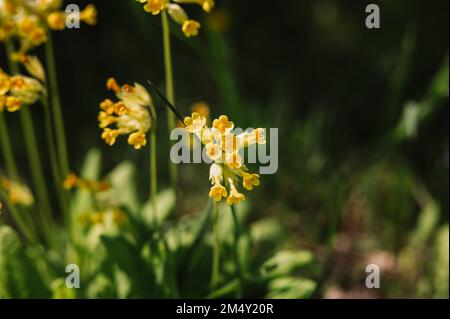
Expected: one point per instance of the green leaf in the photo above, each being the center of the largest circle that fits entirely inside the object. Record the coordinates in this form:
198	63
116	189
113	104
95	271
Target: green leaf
19	277
165	203
427	222
127	257
286	262
290	288
123	182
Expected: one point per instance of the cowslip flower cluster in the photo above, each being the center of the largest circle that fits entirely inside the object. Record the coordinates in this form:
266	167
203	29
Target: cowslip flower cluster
189	27
222	146
73	181
107	210
18	90
102	218
28	20
130	115
18	194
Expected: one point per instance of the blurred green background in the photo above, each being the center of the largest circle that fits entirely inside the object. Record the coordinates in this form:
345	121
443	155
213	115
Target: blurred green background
362	117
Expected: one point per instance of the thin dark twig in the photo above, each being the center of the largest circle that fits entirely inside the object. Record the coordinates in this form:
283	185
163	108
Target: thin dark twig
166	101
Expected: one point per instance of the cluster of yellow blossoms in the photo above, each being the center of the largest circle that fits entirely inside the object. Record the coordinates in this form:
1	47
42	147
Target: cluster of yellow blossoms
176	12
28	20
107	212
222	146
18	90
18	194
72	181
130	114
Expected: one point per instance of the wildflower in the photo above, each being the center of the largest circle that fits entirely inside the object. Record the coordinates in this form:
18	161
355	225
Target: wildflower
222	146
154	6
18	90
72	181
31	63
189	27
130	114
18	194
27	20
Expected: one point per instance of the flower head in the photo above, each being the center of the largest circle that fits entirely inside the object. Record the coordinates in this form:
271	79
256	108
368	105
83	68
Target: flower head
18	90
130	114
189	27
28	20
223	147
18	194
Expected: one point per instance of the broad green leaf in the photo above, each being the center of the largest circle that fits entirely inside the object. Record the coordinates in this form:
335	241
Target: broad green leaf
18	276
290	288
123	182
287	262
165	203
427	222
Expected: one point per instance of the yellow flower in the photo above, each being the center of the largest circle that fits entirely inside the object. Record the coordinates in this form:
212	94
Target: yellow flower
71	181
250	180
235	197
217	192
27	21
32	65
190	28
18	194
154	6
57	20
26	89
110	136
13	104
207	5
233	160
213	151
222	146
137	139
223	124
195	123
130	114
89	15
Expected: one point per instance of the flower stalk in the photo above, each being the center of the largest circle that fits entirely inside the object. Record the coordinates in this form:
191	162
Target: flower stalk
169	88
7	149
56	107
216	248
236	251
34	159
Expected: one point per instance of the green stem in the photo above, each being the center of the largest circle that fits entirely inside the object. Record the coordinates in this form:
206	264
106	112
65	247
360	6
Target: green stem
57	179
34	158
216	249
153	165
23	226
7	150
236	251
169	89
37	173
56	107
153	174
